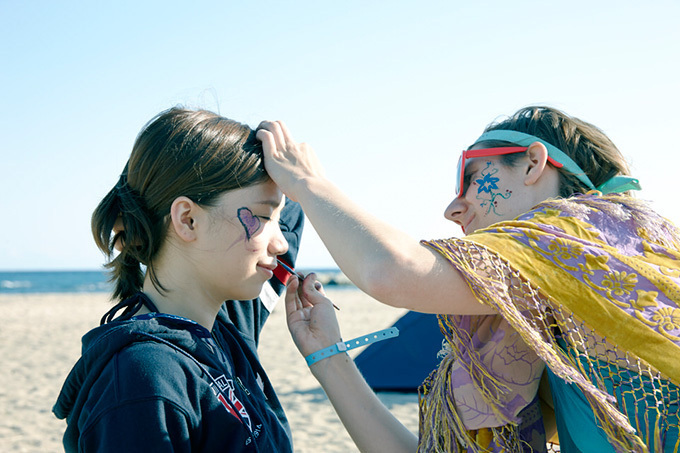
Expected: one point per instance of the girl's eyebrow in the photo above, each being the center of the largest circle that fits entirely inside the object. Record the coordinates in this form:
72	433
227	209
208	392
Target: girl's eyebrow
273	203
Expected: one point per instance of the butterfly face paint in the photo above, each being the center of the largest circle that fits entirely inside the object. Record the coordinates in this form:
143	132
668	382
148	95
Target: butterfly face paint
251	223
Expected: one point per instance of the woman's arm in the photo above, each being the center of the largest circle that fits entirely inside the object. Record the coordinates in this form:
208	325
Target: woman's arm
313	325
383	261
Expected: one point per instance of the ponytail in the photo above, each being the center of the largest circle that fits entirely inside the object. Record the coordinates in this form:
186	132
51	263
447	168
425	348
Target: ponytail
140	238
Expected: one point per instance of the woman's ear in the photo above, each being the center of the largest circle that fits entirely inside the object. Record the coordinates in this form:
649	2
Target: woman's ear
537	154
182	213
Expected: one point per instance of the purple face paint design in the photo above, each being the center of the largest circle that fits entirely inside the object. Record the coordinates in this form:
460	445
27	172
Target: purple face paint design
487	185
250	222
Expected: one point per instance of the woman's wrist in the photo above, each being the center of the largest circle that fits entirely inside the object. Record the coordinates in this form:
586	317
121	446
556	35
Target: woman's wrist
311	186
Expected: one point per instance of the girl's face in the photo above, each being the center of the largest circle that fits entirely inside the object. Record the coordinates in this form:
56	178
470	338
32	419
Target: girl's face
493	192
236	252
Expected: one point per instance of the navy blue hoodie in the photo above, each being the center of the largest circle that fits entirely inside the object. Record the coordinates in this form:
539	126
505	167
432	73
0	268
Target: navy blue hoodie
159	382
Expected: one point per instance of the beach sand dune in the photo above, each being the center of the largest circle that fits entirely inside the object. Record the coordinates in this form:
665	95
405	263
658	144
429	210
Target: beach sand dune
40	341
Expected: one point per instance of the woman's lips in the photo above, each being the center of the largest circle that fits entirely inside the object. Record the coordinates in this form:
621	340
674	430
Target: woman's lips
466	226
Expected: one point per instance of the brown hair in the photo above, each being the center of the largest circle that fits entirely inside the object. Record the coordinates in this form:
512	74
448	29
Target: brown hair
180	152
587	145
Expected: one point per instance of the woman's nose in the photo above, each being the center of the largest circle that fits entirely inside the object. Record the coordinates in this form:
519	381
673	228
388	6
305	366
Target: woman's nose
455	210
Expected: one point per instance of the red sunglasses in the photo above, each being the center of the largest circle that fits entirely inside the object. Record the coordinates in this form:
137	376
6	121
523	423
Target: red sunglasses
486	152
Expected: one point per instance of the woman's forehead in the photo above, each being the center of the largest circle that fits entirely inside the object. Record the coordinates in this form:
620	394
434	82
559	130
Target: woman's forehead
473	163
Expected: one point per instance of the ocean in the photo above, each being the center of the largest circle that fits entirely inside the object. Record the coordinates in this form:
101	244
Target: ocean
54	282
97	281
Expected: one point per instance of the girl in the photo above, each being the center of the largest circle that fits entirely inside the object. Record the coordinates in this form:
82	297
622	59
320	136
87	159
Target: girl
562	270
198	222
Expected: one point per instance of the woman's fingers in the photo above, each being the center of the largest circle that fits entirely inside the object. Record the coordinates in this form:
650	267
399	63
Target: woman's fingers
293	303
267	139
281	138
312	290
276	132
309	285
287	136
319	287
286	161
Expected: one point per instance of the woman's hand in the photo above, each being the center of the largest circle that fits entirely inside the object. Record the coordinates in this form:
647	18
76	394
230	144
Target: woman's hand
310	315
286	161
313	325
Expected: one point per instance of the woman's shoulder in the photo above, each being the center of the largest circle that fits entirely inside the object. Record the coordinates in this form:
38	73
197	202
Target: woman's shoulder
623	213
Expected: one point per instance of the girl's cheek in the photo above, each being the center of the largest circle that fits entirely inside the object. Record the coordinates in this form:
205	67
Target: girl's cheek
256	243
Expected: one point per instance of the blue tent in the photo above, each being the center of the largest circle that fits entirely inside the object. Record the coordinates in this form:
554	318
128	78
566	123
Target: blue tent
401	364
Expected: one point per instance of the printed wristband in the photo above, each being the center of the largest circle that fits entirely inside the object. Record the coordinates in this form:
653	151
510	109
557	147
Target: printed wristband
343	346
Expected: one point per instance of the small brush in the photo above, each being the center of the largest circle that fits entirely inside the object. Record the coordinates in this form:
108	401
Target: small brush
299	274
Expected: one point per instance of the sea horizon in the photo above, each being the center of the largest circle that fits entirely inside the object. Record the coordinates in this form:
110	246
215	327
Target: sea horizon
97	281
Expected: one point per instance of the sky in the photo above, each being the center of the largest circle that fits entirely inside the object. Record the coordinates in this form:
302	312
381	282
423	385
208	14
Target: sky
386	92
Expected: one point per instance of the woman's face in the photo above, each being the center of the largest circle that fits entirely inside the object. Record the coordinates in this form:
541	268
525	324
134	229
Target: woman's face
237	251
495	192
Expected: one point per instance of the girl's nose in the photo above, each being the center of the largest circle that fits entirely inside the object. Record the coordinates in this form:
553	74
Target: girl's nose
278	244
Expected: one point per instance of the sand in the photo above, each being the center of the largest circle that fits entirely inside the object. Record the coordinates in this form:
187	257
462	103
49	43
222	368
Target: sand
40	342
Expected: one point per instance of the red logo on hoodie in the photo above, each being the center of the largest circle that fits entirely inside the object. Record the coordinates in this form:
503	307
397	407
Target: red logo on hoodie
233	405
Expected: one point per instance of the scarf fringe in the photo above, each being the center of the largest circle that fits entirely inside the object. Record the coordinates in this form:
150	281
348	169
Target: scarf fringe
443	431
620	432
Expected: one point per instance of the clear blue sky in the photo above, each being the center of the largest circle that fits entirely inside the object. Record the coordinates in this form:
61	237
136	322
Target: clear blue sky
387	92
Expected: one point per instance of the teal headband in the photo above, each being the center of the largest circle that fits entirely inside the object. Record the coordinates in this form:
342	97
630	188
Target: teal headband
616	184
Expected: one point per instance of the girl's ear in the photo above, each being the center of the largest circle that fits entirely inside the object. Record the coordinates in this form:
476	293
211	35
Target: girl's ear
182	214
537	154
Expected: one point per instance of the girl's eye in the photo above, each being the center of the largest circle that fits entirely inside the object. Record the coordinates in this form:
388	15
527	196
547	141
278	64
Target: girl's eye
265	218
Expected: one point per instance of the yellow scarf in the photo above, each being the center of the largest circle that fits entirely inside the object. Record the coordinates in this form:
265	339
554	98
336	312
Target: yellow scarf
599	273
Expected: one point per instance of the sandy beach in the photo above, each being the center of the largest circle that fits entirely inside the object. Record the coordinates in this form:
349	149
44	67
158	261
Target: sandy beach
40	341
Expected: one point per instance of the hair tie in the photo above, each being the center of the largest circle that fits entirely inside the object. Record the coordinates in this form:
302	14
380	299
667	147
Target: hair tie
131	201
122	183
132	208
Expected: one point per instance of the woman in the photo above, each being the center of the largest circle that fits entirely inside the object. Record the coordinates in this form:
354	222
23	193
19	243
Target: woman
197	221
561	270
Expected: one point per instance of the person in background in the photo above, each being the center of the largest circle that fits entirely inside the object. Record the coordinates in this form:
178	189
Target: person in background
173	367
561	272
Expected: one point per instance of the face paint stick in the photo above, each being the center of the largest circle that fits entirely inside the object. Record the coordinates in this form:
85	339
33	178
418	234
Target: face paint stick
299	274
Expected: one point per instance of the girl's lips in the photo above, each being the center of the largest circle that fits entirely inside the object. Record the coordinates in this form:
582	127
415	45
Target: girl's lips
266	270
